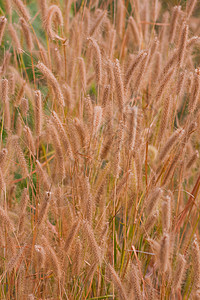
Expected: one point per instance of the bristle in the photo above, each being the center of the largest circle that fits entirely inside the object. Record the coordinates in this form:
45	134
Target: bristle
155	11
163	31
38	113
4	90
3	154
8	7
43	9
152	200
68	96
88	110
106	147
153	50
11	83
82	132
7	121
164	253
71	236
58	152
22	9
6	62
6	220
20	95
100	182
97	59
106	95
173	25
97	119
190	7
192	41
169	144
151	220
53	11
123	181
110	72
2	182
179	273
166	214
41	255
164	118
18	126
195	93
92	242
3	22
141	72
88	200
14	37
163	84
52	257
27	34
29	140
20	156
135	282
134	28
24	107
117	283
23	206
112	43
97	23
119	86
53	81
196	264
132	67
44	209
180	83
78	257
182	45
192	160
43	54
120	17
43	176
117	157
62	133
82	73
171	169
132	127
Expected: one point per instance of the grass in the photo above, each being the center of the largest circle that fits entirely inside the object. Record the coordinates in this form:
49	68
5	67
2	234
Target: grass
99	193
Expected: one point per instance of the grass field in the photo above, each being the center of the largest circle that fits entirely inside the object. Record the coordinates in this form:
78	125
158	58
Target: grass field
99	156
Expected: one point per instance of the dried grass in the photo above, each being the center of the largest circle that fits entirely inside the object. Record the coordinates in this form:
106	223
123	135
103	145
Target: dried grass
99	150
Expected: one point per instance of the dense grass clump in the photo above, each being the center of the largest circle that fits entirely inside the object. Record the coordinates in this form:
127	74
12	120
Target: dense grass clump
99	156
